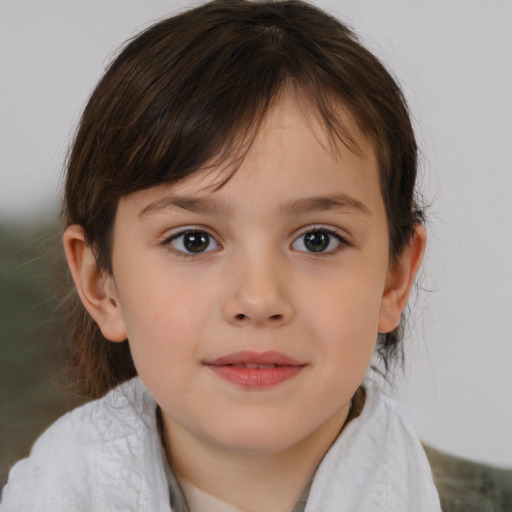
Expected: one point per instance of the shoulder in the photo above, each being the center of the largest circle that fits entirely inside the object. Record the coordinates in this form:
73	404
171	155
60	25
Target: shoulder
377	463
390	434
98	424
94	453
462	484
383	417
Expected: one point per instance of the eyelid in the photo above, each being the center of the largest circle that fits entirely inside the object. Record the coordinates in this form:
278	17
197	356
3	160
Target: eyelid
170	234
336	231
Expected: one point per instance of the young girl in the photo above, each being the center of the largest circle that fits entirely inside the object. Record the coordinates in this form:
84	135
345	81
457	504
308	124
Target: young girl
241	228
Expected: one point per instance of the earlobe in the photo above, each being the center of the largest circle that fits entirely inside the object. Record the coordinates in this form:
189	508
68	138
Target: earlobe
95	287
400	280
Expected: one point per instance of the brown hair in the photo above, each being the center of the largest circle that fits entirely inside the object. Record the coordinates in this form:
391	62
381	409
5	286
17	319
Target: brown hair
194	88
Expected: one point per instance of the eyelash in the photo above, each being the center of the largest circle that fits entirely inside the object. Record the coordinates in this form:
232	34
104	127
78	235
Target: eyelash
190	231
331	234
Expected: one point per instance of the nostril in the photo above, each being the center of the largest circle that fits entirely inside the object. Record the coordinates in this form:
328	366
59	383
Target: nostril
241	317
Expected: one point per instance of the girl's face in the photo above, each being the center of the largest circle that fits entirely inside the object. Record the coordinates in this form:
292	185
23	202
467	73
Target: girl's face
252	311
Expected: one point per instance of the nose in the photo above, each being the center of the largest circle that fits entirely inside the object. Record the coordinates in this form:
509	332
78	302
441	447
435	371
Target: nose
259	295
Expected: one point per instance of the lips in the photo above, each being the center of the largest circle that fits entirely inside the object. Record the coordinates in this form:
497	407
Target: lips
253	370
254	365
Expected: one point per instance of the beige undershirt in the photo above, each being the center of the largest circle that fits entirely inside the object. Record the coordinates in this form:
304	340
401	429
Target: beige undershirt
200	501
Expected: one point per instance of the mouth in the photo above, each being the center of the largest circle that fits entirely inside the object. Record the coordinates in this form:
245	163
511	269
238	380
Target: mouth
255	370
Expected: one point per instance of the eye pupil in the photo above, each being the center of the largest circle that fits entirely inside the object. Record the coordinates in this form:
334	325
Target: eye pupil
196	242
316	241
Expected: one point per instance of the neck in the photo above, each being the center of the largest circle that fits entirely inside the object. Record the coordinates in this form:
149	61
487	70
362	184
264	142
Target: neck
273	481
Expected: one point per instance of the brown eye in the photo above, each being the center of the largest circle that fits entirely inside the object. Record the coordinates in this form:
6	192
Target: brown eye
318	241
193	242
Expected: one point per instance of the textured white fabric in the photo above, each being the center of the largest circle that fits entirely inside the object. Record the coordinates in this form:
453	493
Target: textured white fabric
377	464
106	456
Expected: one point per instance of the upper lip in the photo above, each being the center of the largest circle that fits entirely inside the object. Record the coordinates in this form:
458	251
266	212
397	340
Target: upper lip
269	357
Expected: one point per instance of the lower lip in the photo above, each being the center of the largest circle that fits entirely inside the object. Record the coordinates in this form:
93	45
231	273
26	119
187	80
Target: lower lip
256	378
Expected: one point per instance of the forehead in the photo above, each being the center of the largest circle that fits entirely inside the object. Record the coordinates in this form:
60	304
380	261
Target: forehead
291	157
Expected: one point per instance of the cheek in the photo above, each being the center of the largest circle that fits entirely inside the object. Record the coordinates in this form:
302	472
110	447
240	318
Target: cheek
348	338
344	320
163	301
163	321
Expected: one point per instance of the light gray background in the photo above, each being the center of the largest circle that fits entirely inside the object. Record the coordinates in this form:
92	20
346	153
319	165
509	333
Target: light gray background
454	60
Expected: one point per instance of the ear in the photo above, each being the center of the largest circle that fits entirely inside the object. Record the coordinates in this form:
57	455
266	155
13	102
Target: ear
400	280
96	288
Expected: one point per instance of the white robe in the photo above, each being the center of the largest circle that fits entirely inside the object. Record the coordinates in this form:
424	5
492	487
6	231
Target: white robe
106	457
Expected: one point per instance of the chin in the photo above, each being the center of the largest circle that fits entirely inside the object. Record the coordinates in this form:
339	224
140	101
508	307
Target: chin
255	437
258	446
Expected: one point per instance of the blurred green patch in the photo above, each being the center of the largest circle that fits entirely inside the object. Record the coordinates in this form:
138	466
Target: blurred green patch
32	356
467	486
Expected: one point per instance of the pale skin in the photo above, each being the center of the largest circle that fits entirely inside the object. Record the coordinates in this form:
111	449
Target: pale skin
255	285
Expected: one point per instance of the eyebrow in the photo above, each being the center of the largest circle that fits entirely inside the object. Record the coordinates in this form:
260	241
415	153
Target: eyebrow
329	202
205	205
215	206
